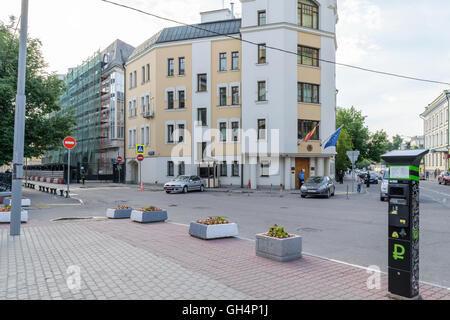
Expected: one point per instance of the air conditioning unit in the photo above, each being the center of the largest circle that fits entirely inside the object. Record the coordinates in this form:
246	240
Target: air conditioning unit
148	114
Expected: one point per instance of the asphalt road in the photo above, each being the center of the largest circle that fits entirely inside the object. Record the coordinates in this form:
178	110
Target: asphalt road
352	230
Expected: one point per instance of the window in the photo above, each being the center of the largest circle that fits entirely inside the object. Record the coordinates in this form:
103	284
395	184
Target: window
134	79
307	92
235	60
142	135
170	133
134	108
223	96
143	75
308	56
147	103
134	138
235	96
262	53
181	66
148	72
147	135
181	102
261	91
170	168
180	133
201	116
261	129
223	169
223	131
201	82
170	68
305	127
130	138
169	99
142	104
265	166
131	81
235	169
235	130
261	17
308	14
222	61
181	170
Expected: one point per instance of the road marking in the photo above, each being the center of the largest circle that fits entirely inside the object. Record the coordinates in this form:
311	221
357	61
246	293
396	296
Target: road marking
440	193
64	204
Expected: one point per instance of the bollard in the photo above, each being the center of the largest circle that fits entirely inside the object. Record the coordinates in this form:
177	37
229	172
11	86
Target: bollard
347	192
231	187
281	190
270	189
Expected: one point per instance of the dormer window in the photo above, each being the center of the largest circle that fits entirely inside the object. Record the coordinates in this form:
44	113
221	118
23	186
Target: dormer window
308	14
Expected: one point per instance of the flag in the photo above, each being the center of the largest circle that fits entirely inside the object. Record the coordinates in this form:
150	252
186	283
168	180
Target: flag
306	139
333	139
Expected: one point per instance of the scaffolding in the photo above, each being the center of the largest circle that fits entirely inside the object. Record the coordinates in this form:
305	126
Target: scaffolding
83	96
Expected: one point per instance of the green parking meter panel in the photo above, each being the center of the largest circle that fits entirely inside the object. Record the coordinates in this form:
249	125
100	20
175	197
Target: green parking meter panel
403	229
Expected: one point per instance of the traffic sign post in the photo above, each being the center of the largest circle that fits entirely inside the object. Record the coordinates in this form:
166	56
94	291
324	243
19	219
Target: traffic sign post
119	160
353	156
140	158
403	229
69	143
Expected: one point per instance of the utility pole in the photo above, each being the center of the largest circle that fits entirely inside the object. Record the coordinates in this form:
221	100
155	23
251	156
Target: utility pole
19	127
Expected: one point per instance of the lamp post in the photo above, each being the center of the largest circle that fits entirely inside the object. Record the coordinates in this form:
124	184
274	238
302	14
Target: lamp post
19	127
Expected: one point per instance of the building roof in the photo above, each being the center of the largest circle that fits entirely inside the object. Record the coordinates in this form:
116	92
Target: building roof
117	54
195	31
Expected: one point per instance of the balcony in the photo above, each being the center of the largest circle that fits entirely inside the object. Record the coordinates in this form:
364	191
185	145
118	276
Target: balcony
148	114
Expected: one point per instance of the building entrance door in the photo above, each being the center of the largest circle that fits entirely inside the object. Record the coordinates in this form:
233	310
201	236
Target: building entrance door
301	163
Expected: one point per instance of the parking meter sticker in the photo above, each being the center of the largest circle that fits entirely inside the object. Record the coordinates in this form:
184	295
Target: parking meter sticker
401	172
399	252
416	234
395	235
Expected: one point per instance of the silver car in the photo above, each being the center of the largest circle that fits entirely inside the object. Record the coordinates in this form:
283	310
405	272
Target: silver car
185	184
318	186
384	186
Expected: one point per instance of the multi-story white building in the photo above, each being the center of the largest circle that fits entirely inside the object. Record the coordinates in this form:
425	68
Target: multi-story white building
233	98
436	134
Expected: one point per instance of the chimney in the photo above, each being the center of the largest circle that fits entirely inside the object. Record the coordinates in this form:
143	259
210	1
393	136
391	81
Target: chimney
232	10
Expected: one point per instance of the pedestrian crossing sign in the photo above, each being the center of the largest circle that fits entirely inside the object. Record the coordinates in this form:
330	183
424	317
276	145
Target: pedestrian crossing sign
140	149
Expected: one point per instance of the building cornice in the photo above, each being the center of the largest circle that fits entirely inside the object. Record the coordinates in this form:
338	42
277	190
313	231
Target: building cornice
438	102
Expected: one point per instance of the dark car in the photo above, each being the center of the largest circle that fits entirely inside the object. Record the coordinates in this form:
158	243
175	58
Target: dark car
318	186
444	178
373	178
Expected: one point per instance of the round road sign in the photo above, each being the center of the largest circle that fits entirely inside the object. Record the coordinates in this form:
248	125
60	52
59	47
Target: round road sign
69	143
140	157
119	159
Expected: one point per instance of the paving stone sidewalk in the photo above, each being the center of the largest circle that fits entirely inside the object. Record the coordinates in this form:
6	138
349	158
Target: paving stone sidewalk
121	259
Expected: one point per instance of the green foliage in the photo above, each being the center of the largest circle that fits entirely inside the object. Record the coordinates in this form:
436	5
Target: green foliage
278	232
344	144
42	89
214	220
377	146
363	164
354	123
150	208
396	142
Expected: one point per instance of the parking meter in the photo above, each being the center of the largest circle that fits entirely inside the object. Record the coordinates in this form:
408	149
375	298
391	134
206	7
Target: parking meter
403	221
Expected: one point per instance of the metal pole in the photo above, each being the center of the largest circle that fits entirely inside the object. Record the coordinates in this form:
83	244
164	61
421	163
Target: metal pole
353	177
68	173
19	127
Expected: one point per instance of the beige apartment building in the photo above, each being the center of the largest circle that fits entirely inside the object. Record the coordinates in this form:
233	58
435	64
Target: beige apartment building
204	102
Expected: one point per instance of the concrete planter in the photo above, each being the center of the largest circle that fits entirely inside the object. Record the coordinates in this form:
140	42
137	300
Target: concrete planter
118	213
279	249
6	216
148	216
25	202
214	231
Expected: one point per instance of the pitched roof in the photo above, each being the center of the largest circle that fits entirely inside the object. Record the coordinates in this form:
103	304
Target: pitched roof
196	31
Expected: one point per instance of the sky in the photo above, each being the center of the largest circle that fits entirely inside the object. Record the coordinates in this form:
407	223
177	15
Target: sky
385	35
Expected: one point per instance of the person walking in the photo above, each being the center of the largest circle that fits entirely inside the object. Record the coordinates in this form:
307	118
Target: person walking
301	177
368	179
358	183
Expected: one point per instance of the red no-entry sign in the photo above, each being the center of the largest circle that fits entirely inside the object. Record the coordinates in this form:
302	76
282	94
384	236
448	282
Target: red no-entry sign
69	142
140	157
119	159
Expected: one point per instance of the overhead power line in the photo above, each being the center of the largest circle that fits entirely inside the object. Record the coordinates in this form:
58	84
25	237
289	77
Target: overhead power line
391	74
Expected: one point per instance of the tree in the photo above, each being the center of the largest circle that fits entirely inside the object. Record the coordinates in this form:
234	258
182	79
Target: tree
344	144
42	89
354	122
396	143
377	146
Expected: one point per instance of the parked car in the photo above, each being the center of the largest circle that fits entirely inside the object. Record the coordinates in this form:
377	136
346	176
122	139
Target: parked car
185	184
444	178
384	186
318	186
373	178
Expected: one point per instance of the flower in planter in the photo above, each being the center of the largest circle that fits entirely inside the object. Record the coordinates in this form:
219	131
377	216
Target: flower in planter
212	221
5	209
151	208
122	208
278	232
